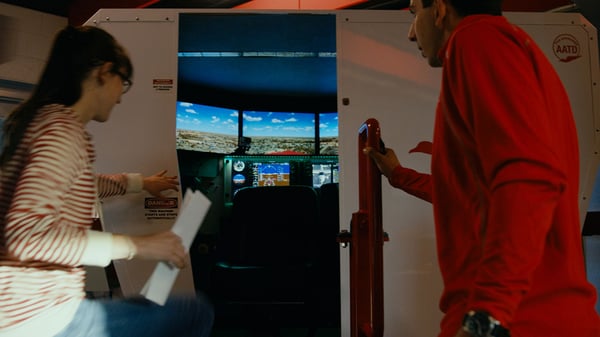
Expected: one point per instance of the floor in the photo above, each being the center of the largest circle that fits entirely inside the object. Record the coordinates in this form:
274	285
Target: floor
288	332
277	321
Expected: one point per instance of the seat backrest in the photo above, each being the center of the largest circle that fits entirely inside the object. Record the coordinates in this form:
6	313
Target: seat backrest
274	225
330	206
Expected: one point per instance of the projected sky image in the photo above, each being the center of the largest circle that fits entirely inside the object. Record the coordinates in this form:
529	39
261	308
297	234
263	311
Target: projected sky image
215	130
328	125
278	124
197	117
206	129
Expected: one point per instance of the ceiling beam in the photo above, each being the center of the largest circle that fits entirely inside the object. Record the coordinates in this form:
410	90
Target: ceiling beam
81	10
533	5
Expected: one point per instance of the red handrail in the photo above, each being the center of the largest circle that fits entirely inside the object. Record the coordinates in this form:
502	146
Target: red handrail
366	239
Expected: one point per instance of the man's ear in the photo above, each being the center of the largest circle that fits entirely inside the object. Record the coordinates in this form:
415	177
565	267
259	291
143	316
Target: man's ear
440	10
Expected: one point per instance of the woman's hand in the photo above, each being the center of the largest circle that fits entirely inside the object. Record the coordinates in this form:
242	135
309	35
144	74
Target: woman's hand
158	183
163	246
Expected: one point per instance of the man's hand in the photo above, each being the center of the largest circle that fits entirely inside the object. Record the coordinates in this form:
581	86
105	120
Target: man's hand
158	183
385	162
462	333
423	147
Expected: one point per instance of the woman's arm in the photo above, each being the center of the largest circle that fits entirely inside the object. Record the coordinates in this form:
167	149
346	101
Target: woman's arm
119	184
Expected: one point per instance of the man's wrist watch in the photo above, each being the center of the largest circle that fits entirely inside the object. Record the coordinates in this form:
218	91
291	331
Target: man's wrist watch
481	324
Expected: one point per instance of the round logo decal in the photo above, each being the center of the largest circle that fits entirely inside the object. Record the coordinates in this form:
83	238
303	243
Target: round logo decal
566	48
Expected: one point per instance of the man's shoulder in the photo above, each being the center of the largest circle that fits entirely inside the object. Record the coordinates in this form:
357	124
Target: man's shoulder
487	35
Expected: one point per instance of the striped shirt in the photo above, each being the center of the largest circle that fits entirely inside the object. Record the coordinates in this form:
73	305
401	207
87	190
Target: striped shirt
47	201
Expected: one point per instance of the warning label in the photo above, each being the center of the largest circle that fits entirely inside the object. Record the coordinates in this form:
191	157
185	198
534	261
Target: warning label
161	208
162	84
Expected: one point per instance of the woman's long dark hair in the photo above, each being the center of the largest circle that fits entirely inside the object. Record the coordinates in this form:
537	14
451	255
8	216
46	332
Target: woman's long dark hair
75	52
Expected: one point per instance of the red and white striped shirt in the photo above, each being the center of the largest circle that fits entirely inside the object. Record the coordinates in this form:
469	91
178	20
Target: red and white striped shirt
47	202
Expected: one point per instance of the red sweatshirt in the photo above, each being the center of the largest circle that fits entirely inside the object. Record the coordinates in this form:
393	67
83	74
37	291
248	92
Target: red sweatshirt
504	187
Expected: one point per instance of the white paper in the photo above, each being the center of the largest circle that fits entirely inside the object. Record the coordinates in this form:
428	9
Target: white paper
192	211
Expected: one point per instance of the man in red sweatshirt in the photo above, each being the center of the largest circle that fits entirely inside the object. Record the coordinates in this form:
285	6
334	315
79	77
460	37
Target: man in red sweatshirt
504	179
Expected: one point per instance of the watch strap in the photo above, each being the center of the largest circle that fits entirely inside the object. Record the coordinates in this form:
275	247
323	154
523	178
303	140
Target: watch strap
481	324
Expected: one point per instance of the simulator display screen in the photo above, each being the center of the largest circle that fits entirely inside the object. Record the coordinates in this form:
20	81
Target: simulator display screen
275	174
328	134
206	128
244	171
279	133
325	173
247	173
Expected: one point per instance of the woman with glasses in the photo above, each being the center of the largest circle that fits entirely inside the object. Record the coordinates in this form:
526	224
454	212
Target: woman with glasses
48	198
126	81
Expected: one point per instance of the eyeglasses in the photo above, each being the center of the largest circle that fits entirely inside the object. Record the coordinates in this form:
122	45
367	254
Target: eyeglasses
126	81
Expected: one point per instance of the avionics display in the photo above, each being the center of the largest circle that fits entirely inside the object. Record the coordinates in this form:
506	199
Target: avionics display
244	171
272	174
325	173
206	128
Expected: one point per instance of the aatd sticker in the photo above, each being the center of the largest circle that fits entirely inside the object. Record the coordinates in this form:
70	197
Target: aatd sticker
566	48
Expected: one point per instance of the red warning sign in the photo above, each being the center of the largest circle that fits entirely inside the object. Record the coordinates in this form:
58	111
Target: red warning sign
162	84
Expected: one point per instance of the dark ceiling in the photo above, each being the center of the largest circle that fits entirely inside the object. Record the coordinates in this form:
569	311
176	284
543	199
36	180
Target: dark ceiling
56	7
258	61
79	10
302	75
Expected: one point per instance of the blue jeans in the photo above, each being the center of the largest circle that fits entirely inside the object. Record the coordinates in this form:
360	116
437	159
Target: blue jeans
179	317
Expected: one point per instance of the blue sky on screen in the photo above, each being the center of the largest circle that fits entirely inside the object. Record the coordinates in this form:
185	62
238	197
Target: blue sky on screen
278	124
288	124
328	125
205	118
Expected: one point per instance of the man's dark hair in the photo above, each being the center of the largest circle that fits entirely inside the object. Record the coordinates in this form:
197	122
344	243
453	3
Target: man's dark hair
470	7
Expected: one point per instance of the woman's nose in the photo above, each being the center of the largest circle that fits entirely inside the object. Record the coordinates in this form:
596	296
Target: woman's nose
411	32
